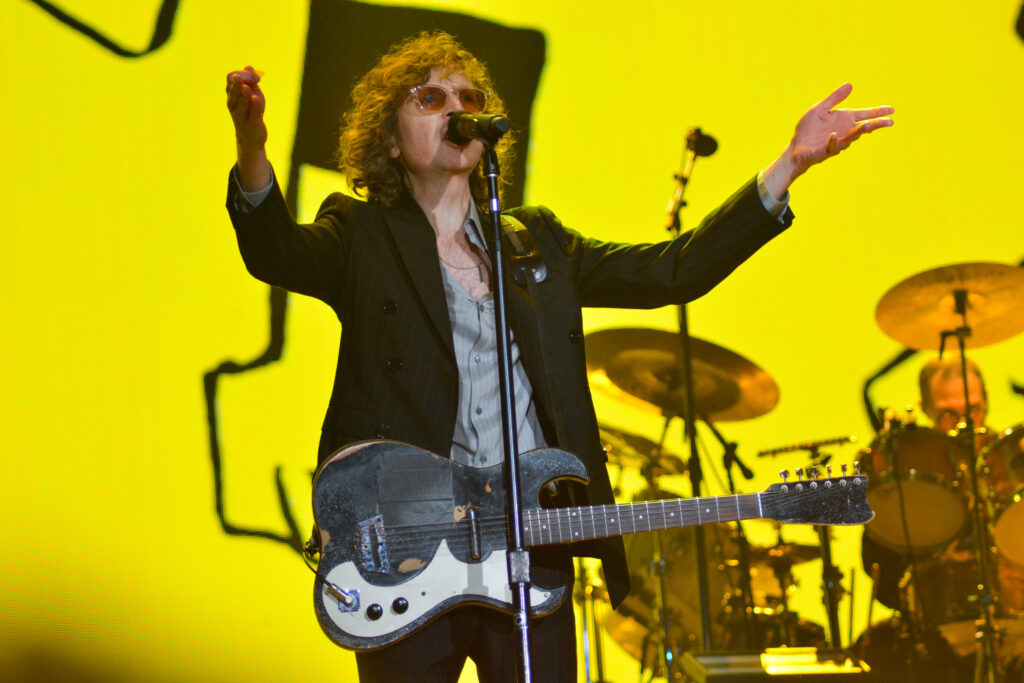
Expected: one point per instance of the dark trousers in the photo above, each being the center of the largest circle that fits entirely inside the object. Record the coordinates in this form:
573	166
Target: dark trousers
437	652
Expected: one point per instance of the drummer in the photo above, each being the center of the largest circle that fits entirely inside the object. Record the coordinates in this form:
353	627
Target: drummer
942	401
942	393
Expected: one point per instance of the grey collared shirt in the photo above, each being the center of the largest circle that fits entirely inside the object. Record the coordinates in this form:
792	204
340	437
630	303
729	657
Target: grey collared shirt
478	438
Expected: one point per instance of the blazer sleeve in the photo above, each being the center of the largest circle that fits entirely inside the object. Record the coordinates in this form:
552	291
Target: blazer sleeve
307	259
618	275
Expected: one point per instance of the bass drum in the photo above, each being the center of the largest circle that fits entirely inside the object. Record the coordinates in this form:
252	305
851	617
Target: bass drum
929	469
1001	479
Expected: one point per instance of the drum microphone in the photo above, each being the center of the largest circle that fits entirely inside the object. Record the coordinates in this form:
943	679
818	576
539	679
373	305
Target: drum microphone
464	128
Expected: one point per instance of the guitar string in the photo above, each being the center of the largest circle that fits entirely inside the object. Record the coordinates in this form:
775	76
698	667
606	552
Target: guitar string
427	537
555	514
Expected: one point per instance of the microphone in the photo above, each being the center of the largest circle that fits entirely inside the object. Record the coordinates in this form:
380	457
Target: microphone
700	144
464	128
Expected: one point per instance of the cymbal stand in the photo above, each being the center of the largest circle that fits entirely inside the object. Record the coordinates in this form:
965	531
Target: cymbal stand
586	596
729	458
985	664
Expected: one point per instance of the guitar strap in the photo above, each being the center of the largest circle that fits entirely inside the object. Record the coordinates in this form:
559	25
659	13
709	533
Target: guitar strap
523	254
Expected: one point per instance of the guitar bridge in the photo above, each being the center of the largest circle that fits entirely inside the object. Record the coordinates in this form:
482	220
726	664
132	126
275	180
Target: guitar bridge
372	545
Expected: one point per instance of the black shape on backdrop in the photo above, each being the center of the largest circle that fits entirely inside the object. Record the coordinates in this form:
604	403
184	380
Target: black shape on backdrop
161	31
345	39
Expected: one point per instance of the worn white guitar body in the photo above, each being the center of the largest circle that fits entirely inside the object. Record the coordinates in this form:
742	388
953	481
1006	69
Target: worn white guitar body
406	536
443	584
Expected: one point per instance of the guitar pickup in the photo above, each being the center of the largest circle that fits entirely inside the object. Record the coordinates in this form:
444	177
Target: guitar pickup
372	545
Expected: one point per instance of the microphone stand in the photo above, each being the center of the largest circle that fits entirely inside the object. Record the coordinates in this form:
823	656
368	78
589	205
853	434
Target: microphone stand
674	226
518	556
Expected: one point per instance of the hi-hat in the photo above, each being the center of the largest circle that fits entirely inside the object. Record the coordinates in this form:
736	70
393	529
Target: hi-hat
647	364
784	554
918	310
636	452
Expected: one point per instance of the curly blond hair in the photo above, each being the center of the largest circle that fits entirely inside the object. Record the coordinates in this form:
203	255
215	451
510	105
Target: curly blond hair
370	124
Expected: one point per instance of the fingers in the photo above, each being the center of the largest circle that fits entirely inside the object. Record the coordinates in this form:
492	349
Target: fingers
872	113
245	99
862	128
837	96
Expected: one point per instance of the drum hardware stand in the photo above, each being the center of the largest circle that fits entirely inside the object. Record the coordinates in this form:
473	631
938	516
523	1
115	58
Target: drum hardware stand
729	458
586	595
661	620
985	665
831	577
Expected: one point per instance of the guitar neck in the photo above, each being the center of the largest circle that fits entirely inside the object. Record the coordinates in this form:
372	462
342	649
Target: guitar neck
568	525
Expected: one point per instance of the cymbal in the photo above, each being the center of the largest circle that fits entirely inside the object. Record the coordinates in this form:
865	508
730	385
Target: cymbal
636	452
647	364
916	311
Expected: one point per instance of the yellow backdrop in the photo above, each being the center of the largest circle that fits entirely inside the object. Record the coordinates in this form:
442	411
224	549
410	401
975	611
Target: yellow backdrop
123	284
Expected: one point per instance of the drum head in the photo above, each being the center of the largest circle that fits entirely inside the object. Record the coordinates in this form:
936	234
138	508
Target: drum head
915	489
1001	478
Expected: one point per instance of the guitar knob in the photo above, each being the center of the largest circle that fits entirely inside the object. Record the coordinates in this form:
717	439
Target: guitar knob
400	605
784	474
374	612
800	473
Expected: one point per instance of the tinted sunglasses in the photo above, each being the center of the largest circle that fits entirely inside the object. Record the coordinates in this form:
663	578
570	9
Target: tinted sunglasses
431	99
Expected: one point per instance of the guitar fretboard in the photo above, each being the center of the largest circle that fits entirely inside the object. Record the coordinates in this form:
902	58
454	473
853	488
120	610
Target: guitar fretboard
568	525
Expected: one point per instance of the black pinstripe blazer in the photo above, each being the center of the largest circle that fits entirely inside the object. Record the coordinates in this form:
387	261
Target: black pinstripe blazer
396	376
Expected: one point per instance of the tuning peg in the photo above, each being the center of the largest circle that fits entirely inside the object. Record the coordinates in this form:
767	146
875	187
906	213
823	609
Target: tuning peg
856	466
844	469
800	473
812	473
828	470
784	474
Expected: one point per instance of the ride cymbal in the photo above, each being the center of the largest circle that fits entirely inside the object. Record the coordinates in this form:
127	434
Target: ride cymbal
918	310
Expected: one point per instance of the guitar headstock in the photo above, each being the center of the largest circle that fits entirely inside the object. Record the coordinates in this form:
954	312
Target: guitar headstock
831	501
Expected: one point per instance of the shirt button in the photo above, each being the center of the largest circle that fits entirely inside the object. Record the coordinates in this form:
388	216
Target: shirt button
479	410
383	431
476	359
394	364
389	307
575	336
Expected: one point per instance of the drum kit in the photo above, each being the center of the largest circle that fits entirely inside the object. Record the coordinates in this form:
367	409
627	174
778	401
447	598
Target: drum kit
949	506
937	496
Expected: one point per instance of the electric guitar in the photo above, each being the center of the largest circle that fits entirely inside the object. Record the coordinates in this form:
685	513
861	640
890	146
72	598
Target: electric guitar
406	535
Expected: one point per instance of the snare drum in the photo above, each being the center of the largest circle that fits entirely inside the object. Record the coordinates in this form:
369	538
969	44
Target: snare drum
1001	478
928	468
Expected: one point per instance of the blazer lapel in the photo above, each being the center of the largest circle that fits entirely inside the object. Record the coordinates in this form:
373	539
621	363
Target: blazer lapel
416	246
